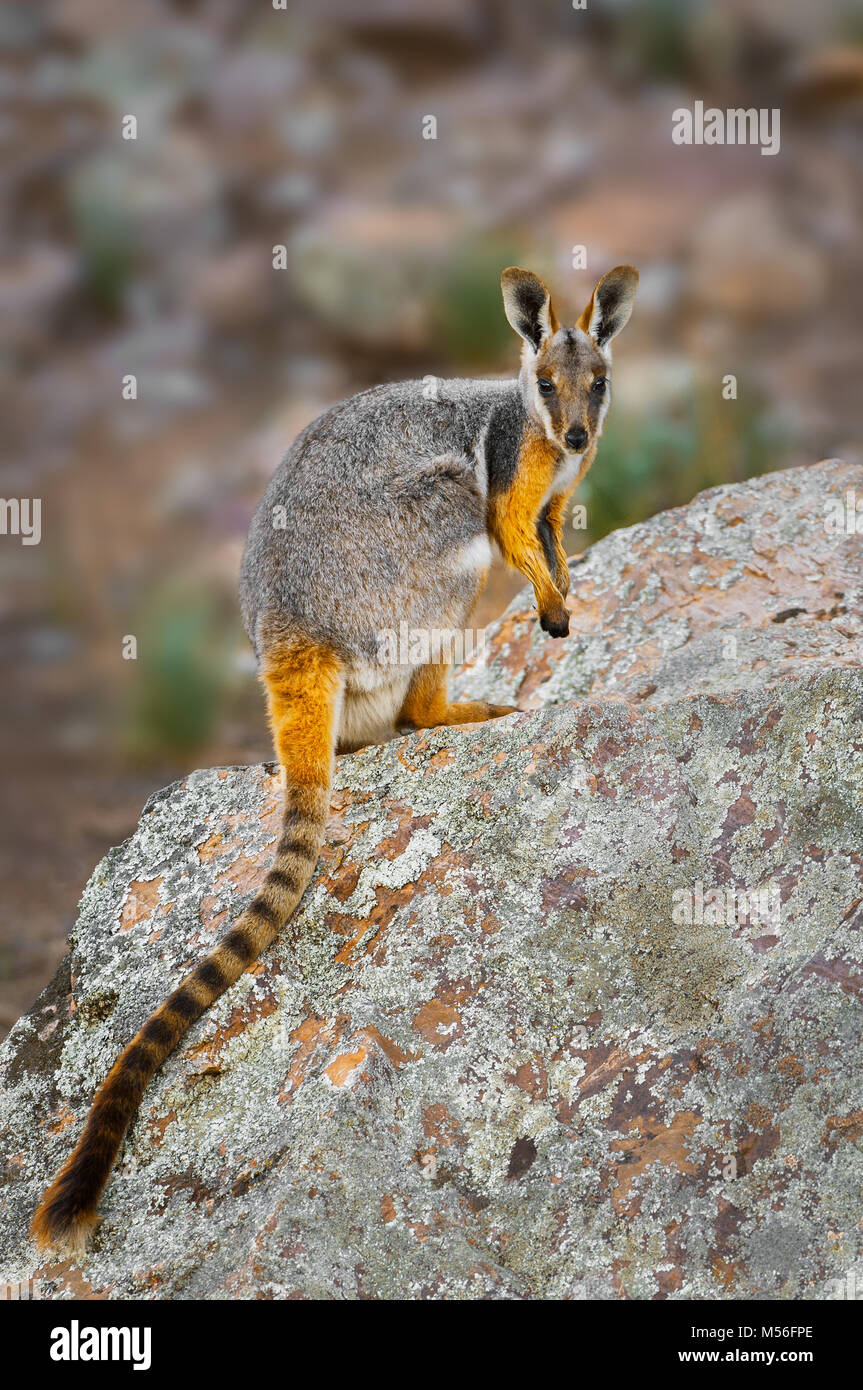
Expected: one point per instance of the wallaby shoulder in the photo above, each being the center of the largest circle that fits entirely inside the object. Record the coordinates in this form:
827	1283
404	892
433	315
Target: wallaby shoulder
377	494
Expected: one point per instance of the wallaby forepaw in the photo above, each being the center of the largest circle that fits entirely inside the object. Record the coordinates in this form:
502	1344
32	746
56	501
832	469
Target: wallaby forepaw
556	624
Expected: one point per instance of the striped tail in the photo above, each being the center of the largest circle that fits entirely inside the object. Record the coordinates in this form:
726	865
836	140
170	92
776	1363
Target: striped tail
304	690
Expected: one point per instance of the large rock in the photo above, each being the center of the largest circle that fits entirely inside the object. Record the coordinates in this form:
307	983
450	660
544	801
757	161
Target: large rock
493	1057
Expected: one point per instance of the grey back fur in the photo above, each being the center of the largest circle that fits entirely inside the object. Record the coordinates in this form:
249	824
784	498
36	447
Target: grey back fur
365	523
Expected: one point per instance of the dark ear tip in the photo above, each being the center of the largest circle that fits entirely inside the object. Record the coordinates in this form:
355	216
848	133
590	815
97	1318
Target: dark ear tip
624	272
512	272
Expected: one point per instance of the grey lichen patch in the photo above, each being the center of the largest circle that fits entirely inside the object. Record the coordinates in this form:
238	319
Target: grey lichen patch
518	1042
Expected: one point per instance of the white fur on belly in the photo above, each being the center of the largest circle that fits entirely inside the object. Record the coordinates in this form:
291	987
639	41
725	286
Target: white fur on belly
369	711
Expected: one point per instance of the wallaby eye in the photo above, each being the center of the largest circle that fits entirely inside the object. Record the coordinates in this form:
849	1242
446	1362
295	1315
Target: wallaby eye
546	387
599	385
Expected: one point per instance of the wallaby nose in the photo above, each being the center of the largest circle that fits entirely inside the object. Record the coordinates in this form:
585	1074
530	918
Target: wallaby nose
576	438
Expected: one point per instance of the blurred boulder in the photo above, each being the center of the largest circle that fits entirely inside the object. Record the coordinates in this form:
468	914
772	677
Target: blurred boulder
368	270
35	282
748	264
233	289
829	81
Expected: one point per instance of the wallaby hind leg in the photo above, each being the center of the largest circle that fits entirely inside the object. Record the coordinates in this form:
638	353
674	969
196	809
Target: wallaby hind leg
304	685
427	703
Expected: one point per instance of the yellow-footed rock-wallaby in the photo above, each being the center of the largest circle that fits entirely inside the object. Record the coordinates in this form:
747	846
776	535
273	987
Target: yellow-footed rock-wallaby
388	506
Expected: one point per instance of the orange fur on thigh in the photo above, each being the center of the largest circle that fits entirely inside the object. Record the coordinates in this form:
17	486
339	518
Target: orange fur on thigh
295	676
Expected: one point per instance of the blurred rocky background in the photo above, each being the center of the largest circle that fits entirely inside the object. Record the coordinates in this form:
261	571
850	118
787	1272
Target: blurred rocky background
303	127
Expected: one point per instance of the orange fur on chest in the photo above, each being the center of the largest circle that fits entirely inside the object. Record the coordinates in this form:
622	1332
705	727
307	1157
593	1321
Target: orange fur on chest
513	513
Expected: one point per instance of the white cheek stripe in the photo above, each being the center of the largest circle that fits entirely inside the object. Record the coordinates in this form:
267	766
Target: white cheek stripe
544	416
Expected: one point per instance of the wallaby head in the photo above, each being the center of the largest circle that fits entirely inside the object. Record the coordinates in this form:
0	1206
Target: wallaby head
565	371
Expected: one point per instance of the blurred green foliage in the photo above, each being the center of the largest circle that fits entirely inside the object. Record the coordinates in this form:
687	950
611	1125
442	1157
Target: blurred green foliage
646	465
103	234
659	35
185	672
849	22
468	315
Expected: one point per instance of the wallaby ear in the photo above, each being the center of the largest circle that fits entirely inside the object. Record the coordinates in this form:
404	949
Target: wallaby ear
527	305
610	304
